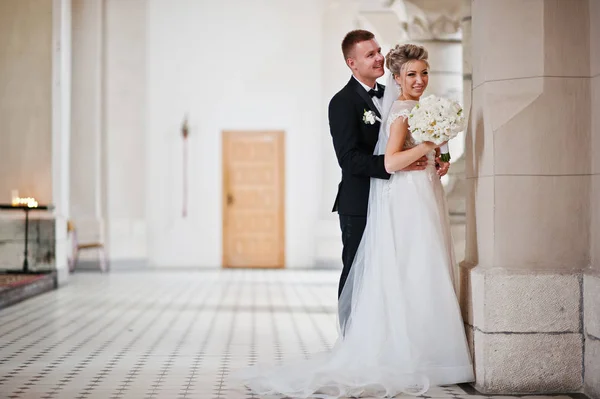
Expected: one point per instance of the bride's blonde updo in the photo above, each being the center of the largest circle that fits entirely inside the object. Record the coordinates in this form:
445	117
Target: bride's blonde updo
400	55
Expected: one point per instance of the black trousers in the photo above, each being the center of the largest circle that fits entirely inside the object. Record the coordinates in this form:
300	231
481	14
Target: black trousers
352	230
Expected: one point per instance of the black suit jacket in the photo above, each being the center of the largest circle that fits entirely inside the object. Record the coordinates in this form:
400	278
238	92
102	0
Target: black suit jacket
354	142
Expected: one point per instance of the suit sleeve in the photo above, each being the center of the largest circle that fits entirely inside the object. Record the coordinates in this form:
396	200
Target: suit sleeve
345	133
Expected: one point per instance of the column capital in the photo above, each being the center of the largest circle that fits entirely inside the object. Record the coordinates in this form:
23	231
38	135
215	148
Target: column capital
419	20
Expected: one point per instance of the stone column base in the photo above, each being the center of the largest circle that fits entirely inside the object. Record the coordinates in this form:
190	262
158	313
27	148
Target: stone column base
525	330
591	320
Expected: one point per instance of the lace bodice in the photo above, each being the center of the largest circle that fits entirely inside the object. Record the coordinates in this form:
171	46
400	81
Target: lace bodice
401	109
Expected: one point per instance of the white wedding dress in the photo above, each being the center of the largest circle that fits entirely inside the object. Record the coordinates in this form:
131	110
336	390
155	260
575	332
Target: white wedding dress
404	331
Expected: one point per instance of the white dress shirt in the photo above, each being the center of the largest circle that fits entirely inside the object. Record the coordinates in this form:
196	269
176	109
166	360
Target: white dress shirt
376	101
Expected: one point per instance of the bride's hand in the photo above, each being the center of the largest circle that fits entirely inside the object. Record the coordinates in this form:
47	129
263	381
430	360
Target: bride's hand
432	145
441	166
419	164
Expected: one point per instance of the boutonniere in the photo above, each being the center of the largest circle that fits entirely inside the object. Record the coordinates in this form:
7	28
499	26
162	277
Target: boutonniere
369	117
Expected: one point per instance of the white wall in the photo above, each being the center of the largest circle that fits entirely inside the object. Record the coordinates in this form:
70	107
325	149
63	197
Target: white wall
35	117
233	64
26	101
339	19
26	117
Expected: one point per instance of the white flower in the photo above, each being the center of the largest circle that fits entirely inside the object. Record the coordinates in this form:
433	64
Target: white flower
369	117
436	119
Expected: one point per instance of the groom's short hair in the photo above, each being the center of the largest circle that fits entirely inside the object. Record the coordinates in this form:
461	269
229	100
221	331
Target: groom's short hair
353	37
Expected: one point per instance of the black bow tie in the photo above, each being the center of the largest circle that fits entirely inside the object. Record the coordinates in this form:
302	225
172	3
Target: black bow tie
378	93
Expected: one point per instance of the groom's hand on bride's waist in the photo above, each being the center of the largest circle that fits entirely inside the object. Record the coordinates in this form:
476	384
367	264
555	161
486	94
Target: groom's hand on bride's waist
419	164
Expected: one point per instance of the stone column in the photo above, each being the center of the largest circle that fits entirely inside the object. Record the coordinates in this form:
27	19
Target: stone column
87	204
456	186
467	65
591	286
61	130
528	207
125	130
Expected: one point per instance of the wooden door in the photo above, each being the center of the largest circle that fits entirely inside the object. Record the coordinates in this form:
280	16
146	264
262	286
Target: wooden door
253	199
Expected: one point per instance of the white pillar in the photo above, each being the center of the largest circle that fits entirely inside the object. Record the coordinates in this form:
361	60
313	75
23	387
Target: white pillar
87	145
61	127
124	130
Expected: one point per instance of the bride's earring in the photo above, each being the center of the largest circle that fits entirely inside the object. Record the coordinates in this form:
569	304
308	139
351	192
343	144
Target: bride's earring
398	85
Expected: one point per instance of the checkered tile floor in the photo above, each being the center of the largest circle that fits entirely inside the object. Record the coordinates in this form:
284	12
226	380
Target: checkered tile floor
166	334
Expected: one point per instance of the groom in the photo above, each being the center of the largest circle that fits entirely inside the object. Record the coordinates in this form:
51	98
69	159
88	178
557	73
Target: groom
354	120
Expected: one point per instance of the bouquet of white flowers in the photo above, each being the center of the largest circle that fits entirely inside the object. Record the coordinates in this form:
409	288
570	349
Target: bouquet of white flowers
436	119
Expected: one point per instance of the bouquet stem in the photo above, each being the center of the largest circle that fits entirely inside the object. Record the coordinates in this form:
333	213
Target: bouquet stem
445	153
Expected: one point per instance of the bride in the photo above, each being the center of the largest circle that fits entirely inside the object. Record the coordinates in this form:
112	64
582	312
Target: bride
403	331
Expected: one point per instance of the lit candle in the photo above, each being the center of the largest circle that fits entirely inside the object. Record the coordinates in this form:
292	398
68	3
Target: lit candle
15	197
27	201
